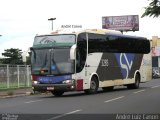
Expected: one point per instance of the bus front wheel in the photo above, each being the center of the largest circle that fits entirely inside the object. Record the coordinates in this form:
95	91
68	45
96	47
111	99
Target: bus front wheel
93	86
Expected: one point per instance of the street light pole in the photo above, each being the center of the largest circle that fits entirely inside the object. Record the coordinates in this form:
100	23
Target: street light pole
51	19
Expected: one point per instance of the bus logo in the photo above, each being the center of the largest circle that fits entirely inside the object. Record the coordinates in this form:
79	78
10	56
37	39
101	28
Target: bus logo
125	62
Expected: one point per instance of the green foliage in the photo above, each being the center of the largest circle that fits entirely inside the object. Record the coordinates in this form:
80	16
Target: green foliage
12	56
153	9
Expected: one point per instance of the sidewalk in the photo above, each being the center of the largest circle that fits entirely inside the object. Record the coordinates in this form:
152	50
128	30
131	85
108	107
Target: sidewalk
16	92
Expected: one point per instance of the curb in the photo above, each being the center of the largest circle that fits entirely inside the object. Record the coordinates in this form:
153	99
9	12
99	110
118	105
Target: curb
16	95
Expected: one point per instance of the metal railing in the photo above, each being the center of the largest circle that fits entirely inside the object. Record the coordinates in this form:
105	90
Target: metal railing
18	76
15	76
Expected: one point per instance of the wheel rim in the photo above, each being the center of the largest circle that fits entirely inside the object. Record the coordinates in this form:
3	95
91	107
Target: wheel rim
137	81
93	85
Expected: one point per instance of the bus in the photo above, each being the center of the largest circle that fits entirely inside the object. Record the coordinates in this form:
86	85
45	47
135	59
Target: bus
89	60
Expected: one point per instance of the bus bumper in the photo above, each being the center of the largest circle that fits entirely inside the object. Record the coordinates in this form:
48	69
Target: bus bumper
53	87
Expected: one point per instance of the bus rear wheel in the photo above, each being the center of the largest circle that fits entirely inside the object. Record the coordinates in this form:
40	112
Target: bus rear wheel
57	93
93	86
136	84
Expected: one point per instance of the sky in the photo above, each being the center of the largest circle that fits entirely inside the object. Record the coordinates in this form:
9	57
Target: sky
21	20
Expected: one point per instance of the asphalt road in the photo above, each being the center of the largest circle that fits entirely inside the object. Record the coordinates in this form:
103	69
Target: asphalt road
121	102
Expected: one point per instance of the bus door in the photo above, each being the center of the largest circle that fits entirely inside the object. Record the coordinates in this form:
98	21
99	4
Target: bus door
81	57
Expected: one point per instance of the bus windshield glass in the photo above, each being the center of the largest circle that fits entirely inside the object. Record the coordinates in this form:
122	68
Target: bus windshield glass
51	55
52	61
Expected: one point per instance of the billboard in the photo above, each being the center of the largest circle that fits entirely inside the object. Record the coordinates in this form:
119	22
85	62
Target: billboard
121	23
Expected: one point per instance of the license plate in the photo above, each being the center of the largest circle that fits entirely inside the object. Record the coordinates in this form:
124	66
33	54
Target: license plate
50	88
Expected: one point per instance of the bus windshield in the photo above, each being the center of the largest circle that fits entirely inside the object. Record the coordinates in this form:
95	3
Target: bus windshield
51	61
51	55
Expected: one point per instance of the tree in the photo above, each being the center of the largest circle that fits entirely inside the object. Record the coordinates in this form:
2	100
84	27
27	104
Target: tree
12	56
28	62
153	9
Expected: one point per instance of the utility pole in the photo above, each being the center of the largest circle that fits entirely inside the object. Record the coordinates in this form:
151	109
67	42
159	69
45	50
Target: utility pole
51	19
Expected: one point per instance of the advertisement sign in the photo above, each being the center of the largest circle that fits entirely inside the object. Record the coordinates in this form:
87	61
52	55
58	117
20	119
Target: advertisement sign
121	23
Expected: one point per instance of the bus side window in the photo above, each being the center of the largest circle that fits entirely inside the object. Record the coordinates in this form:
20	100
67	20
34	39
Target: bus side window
78	59
82	51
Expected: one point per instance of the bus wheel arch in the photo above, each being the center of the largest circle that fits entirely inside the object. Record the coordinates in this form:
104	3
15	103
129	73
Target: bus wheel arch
94	84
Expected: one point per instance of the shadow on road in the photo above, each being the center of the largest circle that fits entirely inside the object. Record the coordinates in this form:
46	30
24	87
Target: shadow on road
99	92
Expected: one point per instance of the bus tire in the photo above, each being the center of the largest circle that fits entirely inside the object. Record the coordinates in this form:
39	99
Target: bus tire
93	86
110	88
136	84
57	93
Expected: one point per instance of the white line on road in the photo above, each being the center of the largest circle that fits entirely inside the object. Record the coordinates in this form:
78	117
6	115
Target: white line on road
139	91
114	99
155	86
59	116
33	101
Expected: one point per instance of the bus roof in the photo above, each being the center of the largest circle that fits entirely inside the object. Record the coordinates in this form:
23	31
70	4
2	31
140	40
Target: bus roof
128	36
100	31
96	31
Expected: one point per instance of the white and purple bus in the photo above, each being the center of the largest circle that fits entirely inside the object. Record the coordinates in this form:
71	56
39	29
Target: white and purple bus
88	60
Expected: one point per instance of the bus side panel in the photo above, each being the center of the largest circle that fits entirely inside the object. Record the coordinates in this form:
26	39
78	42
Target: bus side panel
119	68
146	68
115	66
108	68
93	60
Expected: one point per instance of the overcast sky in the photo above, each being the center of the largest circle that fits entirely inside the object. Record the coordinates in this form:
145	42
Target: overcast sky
21	20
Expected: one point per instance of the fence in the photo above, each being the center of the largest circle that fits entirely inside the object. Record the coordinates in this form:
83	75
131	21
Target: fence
15	76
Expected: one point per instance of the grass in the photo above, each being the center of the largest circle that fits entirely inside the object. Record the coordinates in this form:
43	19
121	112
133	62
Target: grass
12	89
3	85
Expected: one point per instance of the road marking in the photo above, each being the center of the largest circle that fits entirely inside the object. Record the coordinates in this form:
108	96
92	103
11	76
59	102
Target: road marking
114	99
139	91
33	101
155	86
59	116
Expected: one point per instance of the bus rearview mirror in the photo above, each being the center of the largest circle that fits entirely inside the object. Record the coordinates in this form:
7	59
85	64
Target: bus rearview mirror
73	52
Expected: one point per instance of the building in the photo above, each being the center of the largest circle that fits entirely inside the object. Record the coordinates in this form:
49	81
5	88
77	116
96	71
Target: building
156	56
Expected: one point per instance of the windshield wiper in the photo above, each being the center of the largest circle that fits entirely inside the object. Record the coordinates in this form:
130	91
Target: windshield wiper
56	66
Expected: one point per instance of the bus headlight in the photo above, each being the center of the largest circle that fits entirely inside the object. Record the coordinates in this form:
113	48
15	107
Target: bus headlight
68	82
35	82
